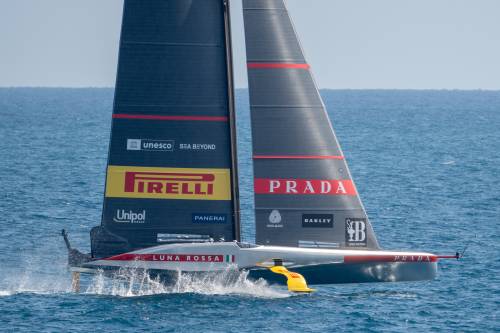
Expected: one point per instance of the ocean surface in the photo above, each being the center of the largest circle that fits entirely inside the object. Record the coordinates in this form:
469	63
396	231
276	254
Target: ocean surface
427	165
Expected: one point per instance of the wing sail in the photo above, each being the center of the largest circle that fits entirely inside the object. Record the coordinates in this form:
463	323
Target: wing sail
304	193
171	157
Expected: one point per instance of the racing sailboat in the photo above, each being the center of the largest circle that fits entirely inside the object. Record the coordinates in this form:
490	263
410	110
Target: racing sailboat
171	200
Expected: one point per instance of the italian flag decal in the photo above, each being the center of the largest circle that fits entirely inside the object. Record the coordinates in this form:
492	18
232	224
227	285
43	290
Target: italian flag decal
229	258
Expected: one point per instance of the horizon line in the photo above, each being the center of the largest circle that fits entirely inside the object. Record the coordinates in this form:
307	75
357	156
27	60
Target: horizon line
246	88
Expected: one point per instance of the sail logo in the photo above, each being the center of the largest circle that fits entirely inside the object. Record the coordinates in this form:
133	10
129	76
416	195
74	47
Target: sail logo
355	232
317	220
209	218
274	219
122	216
304	186
150	145
168	183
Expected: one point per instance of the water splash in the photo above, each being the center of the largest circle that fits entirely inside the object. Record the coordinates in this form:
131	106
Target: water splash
136	283
35	275
35	282
5	293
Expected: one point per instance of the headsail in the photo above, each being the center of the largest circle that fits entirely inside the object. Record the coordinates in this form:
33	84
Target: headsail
304	194
171	165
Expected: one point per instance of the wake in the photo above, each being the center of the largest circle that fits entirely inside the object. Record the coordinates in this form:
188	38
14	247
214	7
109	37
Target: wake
37	274
30	282
136	283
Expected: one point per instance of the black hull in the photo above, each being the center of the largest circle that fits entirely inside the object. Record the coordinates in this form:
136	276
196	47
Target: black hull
356	273
325	274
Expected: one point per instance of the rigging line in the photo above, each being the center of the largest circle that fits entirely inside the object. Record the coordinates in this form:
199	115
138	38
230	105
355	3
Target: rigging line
466	246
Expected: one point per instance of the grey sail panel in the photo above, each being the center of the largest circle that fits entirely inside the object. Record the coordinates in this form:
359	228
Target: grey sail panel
283	142
171	154
304	194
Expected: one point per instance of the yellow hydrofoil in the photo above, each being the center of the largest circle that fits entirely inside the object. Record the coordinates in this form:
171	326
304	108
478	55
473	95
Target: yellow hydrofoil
295	281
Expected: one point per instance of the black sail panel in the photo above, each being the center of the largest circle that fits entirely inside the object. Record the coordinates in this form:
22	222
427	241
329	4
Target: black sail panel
171	157
304	194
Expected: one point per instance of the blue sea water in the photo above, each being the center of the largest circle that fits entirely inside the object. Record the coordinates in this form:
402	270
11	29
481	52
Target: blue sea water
427	164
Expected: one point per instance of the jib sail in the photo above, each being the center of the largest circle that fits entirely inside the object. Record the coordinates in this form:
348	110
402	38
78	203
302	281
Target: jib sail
170	174
304	194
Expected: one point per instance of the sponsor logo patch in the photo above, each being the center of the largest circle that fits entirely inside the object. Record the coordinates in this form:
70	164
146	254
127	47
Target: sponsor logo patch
197	146
274	219
208	218
355	232
304	186
168	183
317	220
128	216
174	257
150	145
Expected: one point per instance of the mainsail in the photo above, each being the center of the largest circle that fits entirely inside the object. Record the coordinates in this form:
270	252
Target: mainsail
304	194
171	172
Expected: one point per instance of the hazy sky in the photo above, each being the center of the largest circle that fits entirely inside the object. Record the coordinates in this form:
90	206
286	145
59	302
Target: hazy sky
423	44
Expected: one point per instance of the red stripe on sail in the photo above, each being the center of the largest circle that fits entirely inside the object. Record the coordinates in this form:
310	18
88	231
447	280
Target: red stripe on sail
276	65
300	157
304	186
157	117
168	257
390	258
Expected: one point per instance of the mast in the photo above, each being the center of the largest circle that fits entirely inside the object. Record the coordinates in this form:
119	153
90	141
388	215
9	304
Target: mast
232	121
